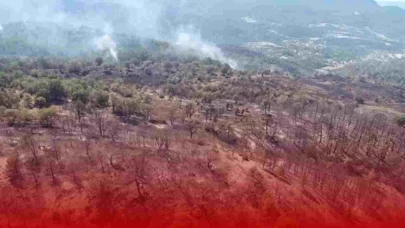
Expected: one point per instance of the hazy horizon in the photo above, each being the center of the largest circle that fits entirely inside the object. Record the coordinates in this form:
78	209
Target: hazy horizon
399	3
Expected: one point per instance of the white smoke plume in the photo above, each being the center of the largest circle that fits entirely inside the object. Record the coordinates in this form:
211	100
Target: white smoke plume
1	27
106	43
190	40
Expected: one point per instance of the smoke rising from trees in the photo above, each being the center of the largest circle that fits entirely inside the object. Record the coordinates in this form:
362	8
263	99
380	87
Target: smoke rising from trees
189	40
107	43
145	19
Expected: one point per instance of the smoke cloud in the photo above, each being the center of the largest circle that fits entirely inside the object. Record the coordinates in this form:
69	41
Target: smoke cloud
107	43
190	40
143	18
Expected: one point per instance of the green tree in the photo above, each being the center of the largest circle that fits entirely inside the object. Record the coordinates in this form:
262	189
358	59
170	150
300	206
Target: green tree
5	80
9	99
44	92
100	99
57	91
27	100
47	117
25	116
40	102
11	116
80	94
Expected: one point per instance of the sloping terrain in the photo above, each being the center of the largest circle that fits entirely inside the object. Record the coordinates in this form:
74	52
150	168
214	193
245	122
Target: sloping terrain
204	145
